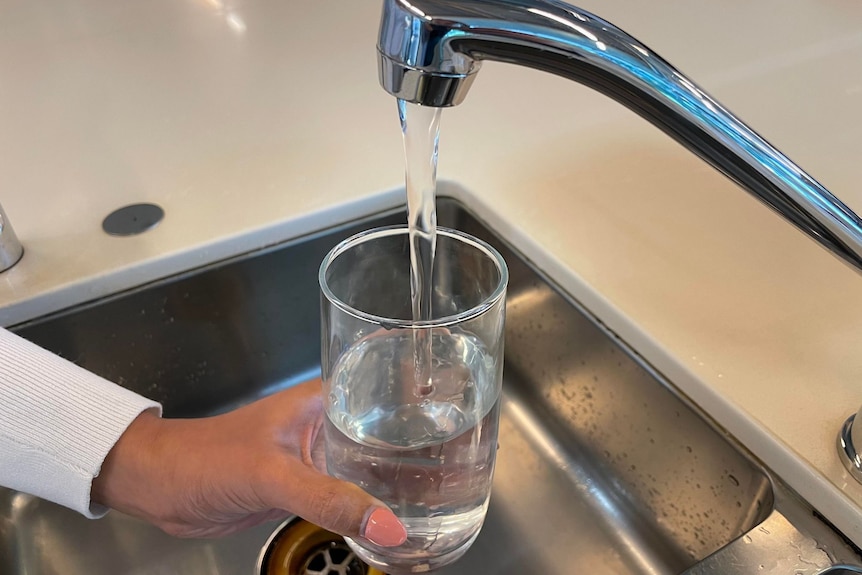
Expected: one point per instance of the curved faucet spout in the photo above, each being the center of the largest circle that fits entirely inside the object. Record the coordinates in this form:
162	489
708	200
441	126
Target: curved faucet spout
430	51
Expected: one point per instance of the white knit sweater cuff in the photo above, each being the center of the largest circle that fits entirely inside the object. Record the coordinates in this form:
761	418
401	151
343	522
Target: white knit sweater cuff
57	424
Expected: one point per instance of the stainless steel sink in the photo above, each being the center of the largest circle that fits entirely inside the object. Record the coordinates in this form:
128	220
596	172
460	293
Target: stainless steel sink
603	466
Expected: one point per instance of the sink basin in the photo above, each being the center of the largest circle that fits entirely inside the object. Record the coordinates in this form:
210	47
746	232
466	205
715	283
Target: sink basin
603	468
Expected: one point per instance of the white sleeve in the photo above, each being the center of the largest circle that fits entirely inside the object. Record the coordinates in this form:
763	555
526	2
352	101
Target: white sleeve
57	424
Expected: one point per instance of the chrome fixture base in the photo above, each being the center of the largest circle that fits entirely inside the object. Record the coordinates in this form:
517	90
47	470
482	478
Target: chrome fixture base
11	249
847	451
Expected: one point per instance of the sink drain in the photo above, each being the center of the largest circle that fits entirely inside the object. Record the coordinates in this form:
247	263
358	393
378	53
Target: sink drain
334	559
301	548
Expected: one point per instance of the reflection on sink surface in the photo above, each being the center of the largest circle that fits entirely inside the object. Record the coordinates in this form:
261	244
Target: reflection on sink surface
603	468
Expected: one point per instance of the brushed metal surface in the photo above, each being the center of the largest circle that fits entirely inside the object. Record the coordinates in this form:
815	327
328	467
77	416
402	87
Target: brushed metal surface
603	468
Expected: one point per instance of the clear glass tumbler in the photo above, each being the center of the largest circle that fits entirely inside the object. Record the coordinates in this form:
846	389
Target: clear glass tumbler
421	439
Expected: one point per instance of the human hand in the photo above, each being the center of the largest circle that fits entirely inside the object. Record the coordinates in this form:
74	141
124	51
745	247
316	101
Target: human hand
214	476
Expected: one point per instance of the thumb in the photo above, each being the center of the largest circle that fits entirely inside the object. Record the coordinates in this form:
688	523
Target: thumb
336	505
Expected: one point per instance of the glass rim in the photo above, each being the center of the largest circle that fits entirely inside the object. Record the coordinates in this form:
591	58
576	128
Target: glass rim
389	323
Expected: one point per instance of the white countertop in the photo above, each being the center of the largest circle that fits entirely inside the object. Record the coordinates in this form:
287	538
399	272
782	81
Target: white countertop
255	121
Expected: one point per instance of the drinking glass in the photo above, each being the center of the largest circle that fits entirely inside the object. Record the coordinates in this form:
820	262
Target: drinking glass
413	407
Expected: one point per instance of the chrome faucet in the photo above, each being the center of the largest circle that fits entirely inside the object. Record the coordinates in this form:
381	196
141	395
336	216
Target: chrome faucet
10	248
431	50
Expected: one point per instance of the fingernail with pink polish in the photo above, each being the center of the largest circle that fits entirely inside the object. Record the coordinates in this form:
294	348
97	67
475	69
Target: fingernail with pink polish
383	528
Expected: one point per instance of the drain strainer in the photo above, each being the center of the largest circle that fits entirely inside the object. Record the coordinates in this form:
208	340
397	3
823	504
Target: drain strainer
334	559
300	548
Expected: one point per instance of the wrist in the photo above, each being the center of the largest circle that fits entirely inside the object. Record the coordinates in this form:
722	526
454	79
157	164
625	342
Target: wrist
124	477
